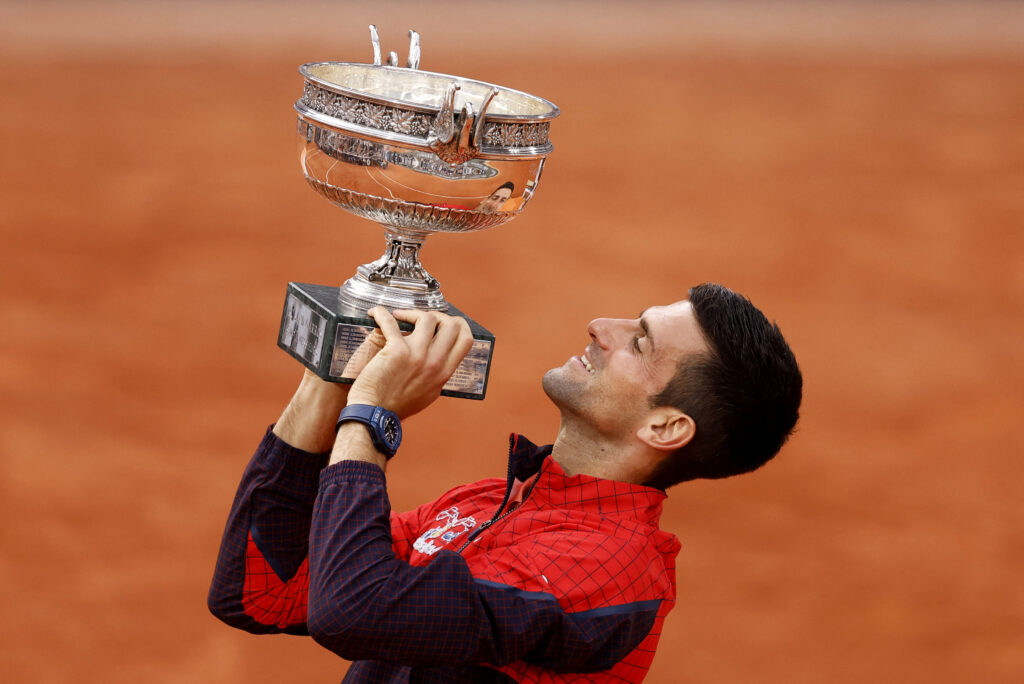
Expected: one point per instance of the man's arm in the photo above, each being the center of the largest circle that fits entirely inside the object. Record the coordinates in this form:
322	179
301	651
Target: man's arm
261	579
262	575
364	603
308	421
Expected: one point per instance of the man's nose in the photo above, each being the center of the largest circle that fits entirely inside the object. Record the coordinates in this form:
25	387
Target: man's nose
602	331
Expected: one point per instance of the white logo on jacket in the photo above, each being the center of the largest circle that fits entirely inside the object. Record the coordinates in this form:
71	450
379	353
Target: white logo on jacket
452	528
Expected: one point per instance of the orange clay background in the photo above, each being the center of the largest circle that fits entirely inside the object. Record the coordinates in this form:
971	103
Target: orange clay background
856	169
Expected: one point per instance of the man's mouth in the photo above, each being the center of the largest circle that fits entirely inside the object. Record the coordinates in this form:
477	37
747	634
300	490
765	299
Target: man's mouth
586	364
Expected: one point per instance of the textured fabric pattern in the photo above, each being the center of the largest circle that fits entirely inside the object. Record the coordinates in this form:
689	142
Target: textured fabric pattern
267	598
544	580
267	533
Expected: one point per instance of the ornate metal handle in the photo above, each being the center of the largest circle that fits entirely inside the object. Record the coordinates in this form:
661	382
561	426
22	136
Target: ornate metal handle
443	140
414	50
413	62
450	147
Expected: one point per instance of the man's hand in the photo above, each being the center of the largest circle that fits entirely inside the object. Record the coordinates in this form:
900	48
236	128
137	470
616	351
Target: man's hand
408	372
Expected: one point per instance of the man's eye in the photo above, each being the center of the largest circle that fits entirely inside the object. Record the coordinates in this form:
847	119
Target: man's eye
636	344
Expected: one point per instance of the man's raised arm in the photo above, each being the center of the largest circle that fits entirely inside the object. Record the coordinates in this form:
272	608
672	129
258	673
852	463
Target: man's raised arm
261	580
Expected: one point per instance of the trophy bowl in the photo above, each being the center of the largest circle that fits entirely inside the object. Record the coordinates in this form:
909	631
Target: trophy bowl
417	152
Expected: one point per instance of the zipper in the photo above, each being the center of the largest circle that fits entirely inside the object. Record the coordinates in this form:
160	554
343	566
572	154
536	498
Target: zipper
498	515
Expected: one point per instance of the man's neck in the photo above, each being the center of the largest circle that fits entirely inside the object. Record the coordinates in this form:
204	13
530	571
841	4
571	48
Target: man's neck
580	451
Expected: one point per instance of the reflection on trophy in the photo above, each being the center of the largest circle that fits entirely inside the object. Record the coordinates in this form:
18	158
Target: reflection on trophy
417	152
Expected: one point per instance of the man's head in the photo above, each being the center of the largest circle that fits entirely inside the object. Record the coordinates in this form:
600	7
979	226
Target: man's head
707	387
494	202
744	394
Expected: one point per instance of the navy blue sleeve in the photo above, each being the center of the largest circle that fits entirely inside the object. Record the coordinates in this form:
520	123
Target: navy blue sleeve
364	603
260	583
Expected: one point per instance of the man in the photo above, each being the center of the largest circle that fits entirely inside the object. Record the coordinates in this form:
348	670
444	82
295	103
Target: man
496	200
557	574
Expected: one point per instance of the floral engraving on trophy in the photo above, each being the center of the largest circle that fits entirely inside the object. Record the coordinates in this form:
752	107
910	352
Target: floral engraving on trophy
516	135
402	121
388	118
323	100
420	126
379	116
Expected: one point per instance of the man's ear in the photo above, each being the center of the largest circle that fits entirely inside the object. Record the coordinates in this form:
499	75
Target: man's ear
667	429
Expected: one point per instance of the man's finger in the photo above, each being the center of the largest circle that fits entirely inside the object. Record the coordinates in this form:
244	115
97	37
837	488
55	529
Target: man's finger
425	325
364	353
386	322
447	333
374	340
413	315
460	347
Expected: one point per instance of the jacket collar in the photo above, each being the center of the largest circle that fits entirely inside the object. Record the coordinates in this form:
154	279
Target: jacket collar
525	457
592	494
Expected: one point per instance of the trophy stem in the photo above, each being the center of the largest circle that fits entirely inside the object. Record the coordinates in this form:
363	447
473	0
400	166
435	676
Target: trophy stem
400	266
397	279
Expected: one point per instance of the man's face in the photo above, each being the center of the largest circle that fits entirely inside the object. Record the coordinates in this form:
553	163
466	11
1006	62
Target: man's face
495	201
627	362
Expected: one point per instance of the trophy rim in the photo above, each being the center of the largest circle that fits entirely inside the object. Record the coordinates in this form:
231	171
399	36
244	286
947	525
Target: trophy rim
304	71
419	142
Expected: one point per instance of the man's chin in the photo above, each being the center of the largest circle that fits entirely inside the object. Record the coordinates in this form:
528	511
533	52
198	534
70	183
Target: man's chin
558	387
547	380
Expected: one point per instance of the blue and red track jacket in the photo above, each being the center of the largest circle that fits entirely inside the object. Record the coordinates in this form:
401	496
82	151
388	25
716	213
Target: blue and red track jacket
540	578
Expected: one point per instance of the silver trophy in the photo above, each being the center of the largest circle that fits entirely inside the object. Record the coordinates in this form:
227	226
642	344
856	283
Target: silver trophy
419	153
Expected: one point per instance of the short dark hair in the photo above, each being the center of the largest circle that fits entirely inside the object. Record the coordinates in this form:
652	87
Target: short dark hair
743	393
507	184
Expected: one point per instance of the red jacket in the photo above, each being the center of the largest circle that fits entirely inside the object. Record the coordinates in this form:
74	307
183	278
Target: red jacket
538	578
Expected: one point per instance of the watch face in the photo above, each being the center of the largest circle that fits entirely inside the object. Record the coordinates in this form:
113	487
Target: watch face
392	430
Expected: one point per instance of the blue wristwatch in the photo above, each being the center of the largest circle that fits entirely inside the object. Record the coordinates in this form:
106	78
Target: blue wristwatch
384	426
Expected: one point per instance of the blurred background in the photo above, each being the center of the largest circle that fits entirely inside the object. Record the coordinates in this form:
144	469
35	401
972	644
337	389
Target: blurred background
856	168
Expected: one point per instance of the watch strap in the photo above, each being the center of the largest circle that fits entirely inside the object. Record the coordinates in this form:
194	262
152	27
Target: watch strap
373	417
361	412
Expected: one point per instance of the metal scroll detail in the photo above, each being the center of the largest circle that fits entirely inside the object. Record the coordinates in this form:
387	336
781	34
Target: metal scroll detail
456	138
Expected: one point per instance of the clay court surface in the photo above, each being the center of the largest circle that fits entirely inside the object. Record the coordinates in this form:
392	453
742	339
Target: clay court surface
857	170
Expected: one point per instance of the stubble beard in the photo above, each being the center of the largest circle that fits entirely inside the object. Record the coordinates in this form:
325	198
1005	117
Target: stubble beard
584	406
562	391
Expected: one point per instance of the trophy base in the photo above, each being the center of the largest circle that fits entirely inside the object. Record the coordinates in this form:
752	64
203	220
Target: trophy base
324	333
363	294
